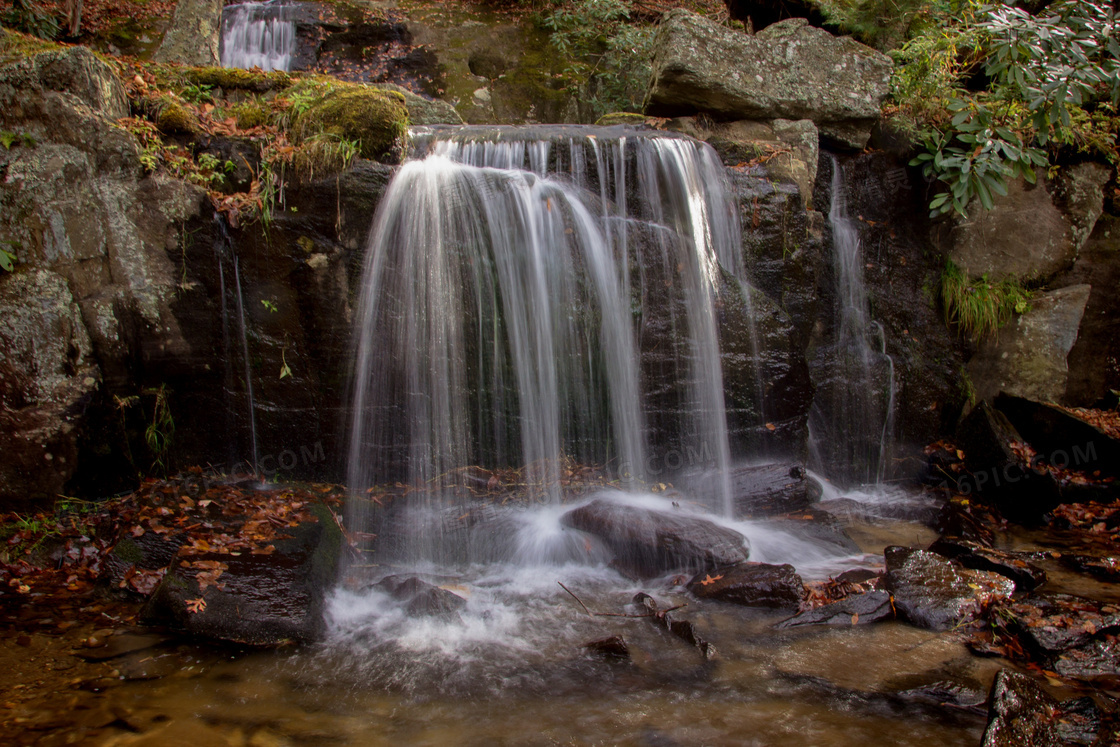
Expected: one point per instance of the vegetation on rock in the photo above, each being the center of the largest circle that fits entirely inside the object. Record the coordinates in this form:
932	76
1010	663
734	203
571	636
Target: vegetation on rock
978	308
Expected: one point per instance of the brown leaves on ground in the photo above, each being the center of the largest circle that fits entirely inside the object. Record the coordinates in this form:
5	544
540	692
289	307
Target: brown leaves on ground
55	558
1106	420
1099	519
820	593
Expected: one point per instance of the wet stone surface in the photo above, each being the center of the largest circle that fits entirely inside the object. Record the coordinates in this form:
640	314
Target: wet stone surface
931	592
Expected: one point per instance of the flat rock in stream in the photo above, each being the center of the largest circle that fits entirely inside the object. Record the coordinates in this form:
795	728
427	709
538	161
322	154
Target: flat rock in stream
256	599
1026	576
648	543
1020	713
772	489
751	585
1051	624
856	609
817	525
932	592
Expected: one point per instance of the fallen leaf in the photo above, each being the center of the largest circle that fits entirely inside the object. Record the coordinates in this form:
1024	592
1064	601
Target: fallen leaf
196	605
710	579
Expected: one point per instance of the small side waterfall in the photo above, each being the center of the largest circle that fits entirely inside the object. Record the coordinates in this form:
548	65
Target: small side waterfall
258	35
853	414
508	306
224	255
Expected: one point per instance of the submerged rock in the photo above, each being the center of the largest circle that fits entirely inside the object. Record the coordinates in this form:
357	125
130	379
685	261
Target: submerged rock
857	609
1020	713
648	543
789	70
751	585
931	592
423	599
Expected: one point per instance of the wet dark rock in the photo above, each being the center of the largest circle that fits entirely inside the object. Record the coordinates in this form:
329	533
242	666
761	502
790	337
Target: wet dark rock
770	489
972	555
1053	623
1100	658
649	543
1059	438
613	648
818	525
422	598
258	599
1080	721
1104	568
789	70
683	629
932	592
1092	370
119	645
960	519
857	609
148	552
999	476
1020	712
751	585
858	576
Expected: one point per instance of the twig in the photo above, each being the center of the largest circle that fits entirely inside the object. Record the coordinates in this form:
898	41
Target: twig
660	613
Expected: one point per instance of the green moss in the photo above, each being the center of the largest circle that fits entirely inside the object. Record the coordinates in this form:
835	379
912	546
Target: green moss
621	118
374	120
236	79
172	117
251	114
128	551
15	46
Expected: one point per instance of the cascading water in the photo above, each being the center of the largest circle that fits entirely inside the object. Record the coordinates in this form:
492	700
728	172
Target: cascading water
224	255
501	298
852	421
258	35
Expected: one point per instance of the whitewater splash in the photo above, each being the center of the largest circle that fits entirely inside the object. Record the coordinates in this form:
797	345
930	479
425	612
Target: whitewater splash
259	35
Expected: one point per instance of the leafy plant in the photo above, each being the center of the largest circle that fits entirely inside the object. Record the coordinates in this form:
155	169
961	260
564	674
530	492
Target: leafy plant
9	138
197	93
979	308
609	56
7	258
161	430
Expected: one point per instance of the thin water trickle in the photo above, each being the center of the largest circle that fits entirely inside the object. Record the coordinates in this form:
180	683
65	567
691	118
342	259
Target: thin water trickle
258	35
852	421
251	403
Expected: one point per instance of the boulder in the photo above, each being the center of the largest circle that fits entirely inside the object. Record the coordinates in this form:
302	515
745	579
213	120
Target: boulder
648	543
48	376
1020	712
1024	236
425	111
857	609
1052	624
1028	357
74	70
788	71
194	36
931	592
998	475
1094	361
1079	192
421	598
613	648
1061	438
751	585
769	489
978	557
257	599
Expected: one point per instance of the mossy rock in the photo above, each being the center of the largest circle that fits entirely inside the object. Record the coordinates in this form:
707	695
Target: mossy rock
621	118
172	118
236	79
376	120
252	114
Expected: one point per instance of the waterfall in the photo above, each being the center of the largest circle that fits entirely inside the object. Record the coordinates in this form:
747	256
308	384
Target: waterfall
506	298
258	35
852	421
223	253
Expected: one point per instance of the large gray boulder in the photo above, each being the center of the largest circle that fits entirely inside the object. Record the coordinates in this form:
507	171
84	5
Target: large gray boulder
789	70
47	374
194	35
1028	358
1036	230
73	70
